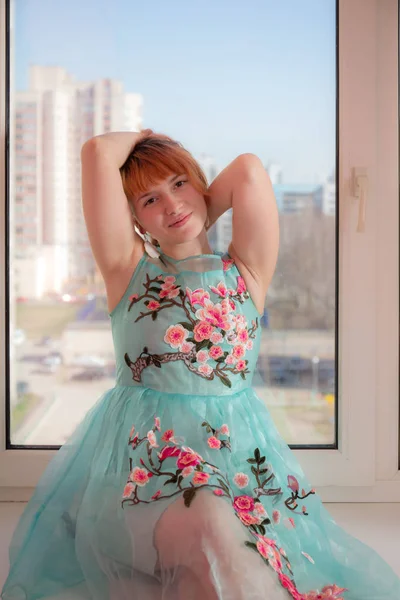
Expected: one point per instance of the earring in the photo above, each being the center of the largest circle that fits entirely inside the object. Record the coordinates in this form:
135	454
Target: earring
149	247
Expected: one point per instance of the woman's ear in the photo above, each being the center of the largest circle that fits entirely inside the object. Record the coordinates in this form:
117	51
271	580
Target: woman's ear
138	225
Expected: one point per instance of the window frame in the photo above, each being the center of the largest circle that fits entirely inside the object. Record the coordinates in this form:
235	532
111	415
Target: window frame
365	467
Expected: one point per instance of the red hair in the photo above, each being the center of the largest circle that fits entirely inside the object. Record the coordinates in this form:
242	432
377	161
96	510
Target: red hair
154	158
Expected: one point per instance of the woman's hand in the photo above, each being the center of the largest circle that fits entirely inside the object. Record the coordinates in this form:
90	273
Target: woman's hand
118	144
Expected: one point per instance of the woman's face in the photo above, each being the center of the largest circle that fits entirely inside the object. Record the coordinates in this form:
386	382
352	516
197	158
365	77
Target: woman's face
167	202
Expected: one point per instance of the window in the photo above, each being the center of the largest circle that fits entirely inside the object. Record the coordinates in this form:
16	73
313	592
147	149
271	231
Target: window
298	114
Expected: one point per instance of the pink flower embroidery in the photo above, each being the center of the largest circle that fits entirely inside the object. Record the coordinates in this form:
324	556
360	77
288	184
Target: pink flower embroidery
230	360
169	292
275	562
198	296
168	452
289	523
139	476
213	442
156	495
220	290
164	292
240	365
200	478
128	489
188	459
153	305
293	484
169	280
329	592
276	517
187	471
133	297
249	345
157	423
265	546
218	492
215	352
288	584
228	263
241	320
260	510
202	331
151	436
232	304
241	480
167	435
224	429
245	503
186	347
239	351
227	306
243	335
172	293
205	369
215	314
132	431
202	356
241	287
247	518
175	335
216	337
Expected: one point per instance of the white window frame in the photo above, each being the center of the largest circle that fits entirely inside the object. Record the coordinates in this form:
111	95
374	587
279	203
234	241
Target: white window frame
365	467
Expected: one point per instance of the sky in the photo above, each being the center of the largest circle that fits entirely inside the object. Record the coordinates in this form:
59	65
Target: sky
221	76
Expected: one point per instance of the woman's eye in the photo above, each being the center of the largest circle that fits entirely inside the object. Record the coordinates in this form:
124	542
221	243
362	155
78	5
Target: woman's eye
149	200
178	183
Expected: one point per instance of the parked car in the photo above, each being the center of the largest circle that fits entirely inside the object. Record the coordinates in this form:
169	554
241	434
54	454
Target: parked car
44	341
88	375
44	370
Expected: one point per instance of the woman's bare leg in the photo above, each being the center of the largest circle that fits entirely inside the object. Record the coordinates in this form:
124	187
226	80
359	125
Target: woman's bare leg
204	545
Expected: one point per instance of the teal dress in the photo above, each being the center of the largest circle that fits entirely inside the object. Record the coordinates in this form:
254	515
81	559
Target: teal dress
178	471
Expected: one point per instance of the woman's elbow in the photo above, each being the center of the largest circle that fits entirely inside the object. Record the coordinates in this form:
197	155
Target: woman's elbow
251	166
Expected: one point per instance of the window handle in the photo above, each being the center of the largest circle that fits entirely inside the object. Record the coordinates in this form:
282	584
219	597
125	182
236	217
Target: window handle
359	191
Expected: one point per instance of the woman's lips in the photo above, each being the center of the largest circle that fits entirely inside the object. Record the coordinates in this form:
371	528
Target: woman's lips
182	221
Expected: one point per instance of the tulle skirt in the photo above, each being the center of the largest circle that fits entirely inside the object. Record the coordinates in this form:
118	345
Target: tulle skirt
160	496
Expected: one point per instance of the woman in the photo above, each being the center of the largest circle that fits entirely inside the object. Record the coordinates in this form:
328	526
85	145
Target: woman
177	485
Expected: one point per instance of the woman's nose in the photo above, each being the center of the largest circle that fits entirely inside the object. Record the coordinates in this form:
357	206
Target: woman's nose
171	203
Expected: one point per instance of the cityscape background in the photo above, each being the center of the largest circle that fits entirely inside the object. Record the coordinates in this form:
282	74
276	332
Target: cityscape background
221	78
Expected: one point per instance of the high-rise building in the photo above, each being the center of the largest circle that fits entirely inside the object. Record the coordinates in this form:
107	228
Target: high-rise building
53	119
209	167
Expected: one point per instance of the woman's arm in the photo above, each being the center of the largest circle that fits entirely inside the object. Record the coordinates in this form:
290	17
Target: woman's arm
245	186
220	192
106	210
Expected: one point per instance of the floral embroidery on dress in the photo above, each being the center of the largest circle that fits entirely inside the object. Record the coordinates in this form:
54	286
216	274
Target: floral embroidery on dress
183	471
200	340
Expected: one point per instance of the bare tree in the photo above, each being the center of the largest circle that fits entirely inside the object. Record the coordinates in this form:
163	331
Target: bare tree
302	294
